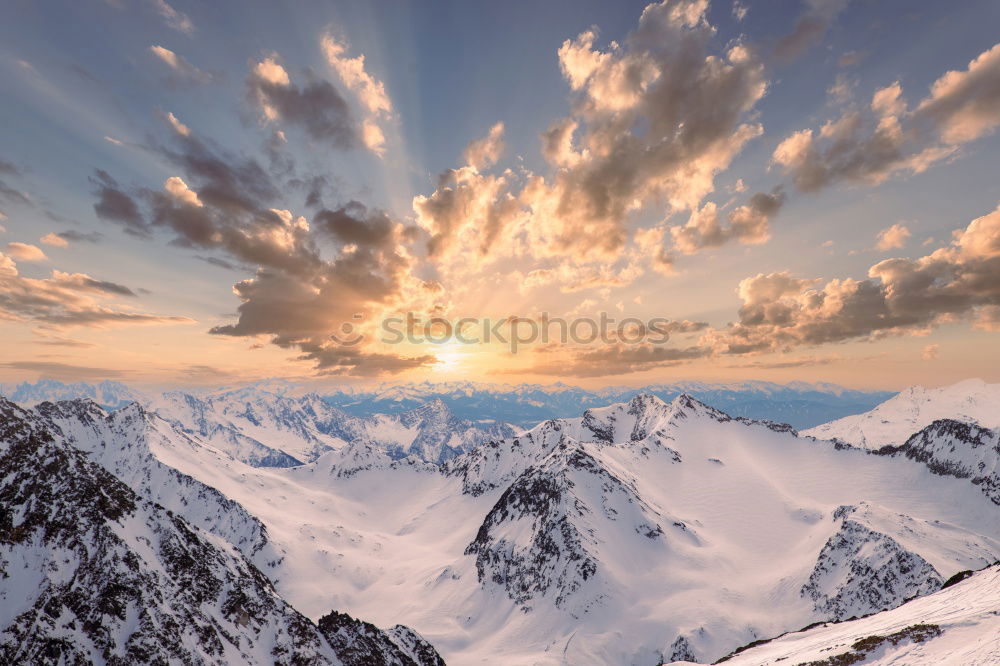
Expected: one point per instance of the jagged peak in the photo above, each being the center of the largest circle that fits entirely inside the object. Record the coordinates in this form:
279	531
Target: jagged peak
687	403
73	406
433	407
955	427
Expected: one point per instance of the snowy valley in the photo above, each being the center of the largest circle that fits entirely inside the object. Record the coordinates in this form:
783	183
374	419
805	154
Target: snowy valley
639	532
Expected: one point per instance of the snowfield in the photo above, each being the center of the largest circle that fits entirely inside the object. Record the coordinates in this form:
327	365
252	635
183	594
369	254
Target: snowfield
892	422
958	625
638	533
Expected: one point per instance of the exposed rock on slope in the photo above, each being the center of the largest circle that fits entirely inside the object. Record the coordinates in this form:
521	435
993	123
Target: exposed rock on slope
94	573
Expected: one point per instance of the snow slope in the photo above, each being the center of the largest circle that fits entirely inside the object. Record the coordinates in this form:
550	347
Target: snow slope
957	625
268	429
893	421
95	573
640	532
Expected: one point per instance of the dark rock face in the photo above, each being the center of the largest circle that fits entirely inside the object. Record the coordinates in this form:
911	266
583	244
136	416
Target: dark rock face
120	442
681	650
958	449
359	643
555	555
93	572
542	536
120	579
861	571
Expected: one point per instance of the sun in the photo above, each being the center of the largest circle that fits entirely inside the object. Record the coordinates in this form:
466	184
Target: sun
450	356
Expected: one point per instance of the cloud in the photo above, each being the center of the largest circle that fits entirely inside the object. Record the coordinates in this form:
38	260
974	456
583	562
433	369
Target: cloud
891	138
7	192
784	363
297	297
178	189
740	10
900	296
67	300
80	236
64	342
842	89
25	252
182	72
748	224
483	153
468	209
369	91
614	359
851	58
653	120
892	237
809	28
63	371
55	240
301	310
930	352
965	105
317	108
173	18
177	125
117	206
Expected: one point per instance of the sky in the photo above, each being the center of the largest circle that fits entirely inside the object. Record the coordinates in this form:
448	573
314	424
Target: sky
358	192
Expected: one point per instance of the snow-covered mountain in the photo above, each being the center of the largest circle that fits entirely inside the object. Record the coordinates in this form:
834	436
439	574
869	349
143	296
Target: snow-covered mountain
800	404
94	572
956	625
107	394
959	449
638	533
267	429
893	421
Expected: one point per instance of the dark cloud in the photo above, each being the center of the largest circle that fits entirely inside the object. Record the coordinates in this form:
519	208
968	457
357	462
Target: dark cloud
115	205
86	283
900	296
867	147
222	263
231	205
809	28
317	107
748	223
616	359
64	342
67	300
232	183
7	192
80	236
653	120
353	224
64	371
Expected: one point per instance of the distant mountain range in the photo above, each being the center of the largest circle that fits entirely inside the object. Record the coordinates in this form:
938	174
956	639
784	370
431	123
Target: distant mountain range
638	532
801	405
